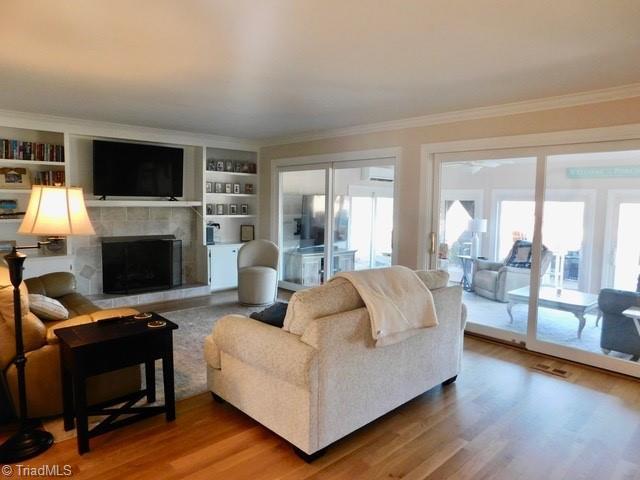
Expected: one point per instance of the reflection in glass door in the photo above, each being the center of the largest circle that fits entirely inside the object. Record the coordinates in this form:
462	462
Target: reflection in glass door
353	232
302	227
363	217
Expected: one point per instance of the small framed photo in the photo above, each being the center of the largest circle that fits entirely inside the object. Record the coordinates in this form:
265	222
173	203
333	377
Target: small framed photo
236	188
221	209
233	209
209	187
246	167
220	166
244	209
228	166
252	167
210	208
228	188
247	233
6	246
239	166
219	187
14	178
248	188
211	165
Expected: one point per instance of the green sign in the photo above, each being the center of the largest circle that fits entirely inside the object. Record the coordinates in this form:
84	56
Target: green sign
603	172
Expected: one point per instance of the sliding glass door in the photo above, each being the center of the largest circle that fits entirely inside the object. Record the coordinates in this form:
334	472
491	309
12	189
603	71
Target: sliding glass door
487	207
352	231
545	243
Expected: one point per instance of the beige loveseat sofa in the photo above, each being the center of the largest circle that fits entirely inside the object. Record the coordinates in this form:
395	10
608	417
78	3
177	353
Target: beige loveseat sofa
44	392
320	377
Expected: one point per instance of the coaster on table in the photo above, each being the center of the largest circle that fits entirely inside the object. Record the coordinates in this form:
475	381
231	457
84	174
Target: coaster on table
156	323
142	316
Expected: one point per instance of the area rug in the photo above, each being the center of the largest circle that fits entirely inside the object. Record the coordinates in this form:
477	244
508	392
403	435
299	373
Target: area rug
194	324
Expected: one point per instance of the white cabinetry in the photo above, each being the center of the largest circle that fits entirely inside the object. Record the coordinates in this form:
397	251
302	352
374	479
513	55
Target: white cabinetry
223	266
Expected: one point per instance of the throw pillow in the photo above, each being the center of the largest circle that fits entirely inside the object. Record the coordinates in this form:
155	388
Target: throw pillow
520	255
46	308
273	315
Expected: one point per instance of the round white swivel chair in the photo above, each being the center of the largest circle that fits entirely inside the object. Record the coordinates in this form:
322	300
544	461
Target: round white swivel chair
258	273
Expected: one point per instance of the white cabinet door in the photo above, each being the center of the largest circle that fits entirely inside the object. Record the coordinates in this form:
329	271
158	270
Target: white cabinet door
223	265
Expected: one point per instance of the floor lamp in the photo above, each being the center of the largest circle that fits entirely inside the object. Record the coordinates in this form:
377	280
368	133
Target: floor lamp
53	212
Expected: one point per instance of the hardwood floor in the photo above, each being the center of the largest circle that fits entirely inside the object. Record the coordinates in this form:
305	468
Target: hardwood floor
500	420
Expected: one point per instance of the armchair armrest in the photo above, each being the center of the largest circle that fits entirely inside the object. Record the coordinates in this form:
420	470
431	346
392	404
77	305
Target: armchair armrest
265	347
488	265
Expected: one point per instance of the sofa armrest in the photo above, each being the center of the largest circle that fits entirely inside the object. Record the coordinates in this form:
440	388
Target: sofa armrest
263	346
487	265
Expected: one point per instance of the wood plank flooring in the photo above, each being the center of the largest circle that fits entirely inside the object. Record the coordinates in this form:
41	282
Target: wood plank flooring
500	420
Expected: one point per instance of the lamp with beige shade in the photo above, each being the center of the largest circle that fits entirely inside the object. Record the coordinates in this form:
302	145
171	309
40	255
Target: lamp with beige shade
53	212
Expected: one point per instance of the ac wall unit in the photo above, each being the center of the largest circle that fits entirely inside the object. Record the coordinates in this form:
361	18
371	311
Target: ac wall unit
378	174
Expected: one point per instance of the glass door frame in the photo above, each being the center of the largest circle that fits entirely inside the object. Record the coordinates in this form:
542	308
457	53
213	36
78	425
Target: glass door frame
541	153
329	163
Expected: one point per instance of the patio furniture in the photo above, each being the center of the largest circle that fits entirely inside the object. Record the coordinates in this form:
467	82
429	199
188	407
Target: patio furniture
620	330
493	280
573	301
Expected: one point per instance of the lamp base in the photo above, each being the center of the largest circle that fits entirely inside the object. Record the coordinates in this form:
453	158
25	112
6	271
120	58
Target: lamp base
26	443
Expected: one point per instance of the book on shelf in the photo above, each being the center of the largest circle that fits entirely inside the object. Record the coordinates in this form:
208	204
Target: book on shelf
49	177
41	152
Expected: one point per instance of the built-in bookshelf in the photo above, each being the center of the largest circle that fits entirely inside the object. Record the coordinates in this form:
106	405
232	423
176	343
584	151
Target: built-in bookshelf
231	190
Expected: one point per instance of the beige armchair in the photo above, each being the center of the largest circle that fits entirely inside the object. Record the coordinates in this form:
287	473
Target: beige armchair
44	393
258	273
493	280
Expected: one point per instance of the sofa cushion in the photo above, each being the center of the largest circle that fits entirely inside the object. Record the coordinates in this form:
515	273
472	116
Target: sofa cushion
52	285
273	315
72	322
77	304
47	308
433	279
305	306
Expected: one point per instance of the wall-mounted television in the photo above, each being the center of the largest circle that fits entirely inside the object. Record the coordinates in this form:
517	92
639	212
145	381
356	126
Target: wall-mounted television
136	170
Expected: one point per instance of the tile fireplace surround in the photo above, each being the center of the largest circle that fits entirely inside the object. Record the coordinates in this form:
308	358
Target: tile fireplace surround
121	221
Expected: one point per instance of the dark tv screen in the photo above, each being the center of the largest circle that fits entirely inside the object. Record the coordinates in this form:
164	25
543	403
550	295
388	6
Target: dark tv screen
136	170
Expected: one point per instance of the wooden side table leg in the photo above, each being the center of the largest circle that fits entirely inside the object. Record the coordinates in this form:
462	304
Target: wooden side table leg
150	380
82	420
167	376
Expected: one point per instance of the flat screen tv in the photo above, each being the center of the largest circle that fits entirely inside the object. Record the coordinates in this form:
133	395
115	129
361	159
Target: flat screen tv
136	170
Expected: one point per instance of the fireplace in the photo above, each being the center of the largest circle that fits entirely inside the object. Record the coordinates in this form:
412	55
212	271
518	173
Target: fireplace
141	263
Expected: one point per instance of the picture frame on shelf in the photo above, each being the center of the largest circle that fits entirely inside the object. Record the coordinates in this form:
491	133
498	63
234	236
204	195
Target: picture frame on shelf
8	205
244	209
228	188
247	233
252	167
209	187
248	188
238	167
228	166
210	208
219	187
211	165
6	246
246	167
236	188
233	209
11	177
221	209
220	166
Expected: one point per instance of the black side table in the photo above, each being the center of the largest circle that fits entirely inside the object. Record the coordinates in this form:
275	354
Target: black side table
107	345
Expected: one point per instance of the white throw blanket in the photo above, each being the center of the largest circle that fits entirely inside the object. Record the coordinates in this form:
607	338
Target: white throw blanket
398	302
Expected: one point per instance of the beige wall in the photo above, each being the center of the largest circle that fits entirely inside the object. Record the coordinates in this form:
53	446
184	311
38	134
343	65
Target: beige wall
605	114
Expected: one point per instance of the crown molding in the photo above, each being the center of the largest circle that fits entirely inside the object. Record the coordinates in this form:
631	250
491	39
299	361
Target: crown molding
78	126
548	103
